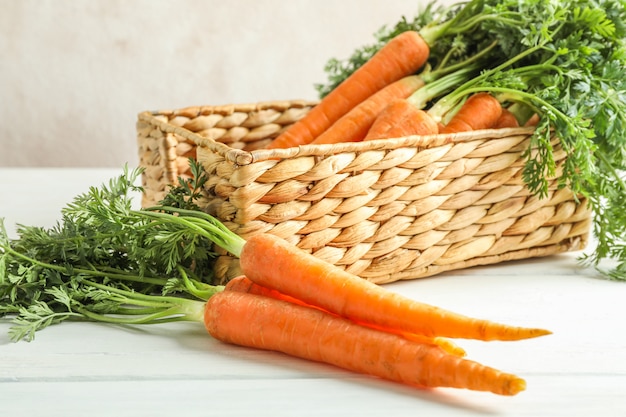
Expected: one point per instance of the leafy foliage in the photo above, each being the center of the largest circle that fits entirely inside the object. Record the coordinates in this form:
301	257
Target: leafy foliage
100	246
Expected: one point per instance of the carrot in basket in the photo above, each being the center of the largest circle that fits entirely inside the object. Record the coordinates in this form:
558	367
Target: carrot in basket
506	119
480	111
272	262
400	119
524	114
402	56
265	323
243	284
533	121
354	125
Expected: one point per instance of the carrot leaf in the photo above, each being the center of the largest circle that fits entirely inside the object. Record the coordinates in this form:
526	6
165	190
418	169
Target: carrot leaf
100	260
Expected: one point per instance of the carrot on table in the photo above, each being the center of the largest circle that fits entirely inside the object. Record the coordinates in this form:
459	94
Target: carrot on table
274	263
244	284
402	56
480	111
270	324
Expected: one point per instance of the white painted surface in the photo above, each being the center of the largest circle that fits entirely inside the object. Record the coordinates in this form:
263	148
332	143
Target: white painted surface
74	74
78	369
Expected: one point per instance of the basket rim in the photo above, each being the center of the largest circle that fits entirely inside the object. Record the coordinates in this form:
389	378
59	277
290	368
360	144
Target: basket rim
241	157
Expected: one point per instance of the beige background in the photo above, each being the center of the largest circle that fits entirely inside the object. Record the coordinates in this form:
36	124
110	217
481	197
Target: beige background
75	73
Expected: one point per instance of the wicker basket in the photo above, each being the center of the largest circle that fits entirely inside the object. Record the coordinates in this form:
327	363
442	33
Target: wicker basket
385	210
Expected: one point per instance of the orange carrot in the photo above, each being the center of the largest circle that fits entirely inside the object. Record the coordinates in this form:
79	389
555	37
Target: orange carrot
243	284
399	119
400	57
480	111
353	126
265	323
445	344
506	119
274	263
533	121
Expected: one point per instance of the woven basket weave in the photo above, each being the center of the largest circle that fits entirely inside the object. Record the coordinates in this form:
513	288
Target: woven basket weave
385	210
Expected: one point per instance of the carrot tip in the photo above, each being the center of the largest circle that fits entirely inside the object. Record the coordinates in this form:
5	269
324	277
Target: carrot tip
542	332
516	386
524	333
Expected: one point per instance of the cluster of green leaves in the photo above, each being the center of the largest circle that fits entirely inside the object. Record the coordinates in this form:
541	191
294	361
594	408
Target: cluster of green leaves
188	191
106	261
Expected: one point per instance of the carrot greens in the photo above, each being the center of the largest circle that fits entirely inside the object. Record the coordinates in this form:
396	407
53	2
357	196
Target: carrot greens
104	260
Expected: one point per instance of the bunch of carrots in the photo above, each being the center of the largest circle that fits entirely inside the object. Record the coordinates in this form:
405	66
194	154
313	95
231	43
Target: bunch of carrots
290	301
510	53
386	98
306	307
287	300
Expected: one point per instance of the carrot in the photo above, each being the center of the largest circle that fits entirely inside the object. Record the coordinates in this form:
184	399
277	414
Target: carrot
243	284
480	111
276	325
533	121
506	119
400	119
402	56
354	125
406	117
274	263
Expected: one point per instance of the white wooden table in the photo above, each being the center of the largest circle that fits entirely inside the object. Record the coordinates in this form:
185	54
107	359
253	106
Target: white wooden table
80	369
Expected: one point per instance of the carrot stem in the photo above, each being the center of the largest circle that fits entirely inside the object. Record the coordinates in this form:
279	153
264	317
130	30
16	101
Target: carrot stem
462	23
446	104
421	97
474	61
163	308
209	227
